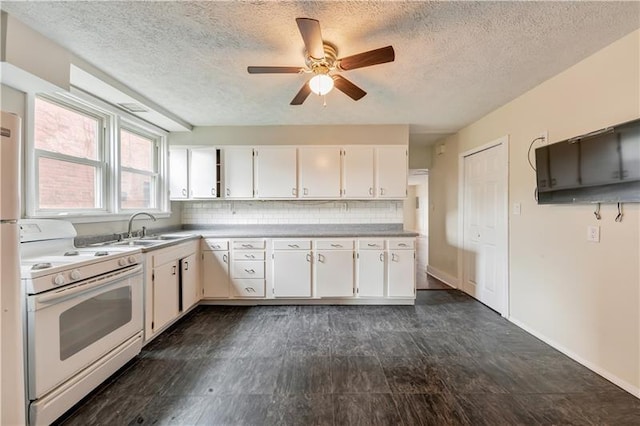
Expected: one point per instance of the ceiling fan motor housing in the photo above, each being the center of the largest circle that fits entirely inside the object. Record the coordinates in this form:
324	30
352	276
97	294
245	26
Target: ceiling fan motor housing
323	65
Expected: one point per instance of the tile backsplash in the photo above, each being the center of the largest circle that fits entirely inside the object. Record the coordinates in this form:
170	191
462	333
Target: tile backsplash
282	212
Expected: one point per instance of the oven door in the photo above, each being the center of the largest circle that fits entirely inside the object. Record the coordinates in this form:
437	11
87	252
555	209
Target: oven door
73	327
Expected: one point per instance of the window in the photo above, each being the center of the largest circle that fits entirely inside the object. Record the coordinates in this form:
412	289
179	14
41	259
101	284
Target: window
90	159
69	157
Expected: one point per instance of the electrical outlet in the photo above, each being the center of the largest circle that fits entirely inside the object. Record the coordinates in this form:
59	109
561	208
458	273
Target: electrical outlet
517	208
544	134
593	234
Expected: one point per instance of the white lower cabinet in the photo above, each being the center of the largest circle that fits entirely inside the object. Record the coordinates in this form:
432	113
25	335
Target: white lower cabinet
189	282
165	294
401	271
215	268
334	268
248	268
371	262
292	271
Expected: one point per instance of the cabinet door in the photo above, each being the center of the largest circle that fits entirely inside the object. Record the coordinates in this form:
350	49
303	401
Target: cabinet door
179	175
630	152
334	273
402	274
276	172
165	294
564	167
189	281
542	169
371	273
391	169
292	273
215	273
319	172
238	173
358	174
203	173
600	160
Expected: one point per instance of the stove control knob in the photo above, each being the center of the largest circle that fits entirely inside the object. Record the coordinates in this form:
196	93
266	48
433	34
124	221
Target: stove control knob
58	279
122	262
75	274
133	259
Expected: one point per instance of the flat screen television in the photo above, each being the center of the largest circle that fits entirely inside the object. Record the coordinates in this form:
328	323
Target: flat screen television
600	167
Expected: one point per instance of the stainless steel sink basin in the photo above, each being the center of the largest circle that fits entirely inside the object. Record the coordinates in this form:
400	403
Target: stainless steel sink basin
141	243
163	237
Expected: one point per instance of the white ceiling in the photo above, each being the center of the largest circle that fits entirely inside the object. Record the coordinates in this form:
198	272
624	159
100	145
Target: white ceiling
455	61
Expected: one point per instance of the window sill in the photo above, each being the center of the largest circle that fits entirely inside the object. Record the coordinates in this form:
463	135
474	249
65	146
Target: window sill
78	218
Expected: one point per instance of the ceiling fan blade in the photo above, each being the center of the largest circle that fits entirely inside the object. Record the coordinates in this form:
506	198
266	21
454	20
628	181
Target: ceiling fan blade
302	95
310	31
350	89
366	59
274	70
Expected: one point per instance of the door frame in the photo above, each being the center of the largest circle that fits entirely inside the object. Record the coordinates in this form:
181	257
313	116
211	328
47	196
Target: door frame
504	143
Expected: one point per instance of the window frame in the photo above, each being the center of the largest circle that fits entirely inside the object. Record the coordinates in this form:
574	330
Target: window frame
112	120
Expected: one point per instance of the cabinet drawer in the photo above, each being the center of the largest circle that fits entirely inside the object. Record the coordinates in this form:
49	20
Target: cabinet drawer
401	244
248	255
371	244
249	269
248	245
248	288
292	245
209	244
334	244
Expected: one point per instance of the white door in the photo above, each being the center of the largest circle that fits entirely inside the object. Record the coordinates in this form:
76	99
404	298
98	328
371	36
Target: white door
215	273
276	174
391	169
319	172
334	273
484	254
292	273
371	273
238	173
203	173
179	177
401	273
358	177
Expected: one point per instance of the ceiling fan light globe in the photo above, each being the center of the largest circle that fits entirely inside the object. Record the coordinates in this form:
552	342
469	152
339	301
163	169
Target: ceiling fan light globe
321	84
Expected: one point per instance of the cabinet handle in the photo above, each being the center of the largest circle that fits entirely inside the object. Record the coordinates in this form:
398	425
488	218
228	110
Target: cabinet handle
336	245
184	191
320	258
216	246
224	258
370	190
305	191
372	245
247	246
173	271
249	290
293	245
394	257
213	191
381	257
381	191
186	266
402	245
228	192
308	257
250	271
293	191
249	256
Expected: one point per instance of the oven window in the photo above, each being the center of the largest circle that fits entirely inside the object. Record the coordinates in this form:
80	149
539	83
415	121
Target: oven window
93	319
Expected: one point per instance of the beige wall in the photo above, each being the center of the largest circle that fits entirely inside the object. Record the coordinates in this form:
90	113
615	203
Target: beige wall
293	135
582	297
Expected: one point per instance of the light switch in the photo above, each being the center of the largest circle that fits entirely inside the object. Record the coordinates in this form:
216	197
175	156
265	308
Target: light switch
517	208
593	234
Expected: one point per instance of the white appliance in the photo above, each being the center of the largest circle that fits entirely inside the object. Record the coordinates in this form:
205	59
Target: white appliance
84	314
12	389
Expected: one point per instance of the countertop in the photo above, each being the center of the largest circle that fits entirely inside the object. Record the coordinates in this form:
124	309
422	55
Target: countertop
299	231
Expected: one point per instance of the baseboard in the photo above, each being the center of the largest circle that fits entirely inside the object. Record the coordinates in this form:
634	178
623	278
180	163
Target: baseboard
633	390
449	280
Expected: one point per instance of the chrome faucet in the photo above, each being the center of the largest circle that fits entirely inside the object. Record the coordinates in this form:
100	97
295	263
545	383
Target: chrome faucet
133	216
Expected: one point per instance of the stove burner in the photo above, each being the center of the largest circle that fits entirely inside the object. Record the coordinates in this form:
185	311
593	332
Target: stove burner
43	265
72	253
101	253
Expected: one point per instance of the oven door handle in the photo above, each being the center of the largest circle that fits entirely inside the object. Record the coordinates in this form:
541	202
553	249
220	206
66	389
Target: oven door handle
104	280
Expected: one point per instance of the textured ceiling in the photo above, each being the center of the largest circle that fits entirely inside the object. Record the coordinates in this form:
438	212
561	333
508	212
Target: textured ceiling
455	61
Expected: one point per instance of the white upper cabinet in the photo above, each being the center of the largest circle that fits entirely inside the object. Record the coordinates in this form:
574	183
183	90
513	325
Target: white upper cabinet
203	173
275	172
391	170
179	177
319	172
238	172
358	174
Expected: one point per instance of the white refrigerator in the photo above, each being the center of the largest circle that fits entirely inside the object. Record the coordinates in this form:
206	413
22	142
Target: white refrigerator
12	390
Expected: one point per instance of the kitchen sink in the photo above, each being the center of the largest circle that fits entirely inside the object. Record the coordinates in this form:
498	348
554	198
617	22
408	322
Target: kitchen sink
141	243
163	237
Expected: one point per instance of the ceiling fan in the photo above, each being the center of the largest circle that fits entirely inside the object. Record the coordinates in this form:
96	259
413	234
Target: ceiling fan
321	60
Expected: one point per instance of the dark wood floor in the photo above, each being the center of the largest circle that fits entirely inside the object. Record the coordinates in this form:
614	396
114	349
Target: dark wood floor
447	360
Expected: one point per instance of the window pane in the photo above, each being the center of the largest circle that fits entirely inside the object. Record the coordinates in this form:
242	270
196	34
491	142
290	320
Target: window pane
136	191
136	152
61	130
64	185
